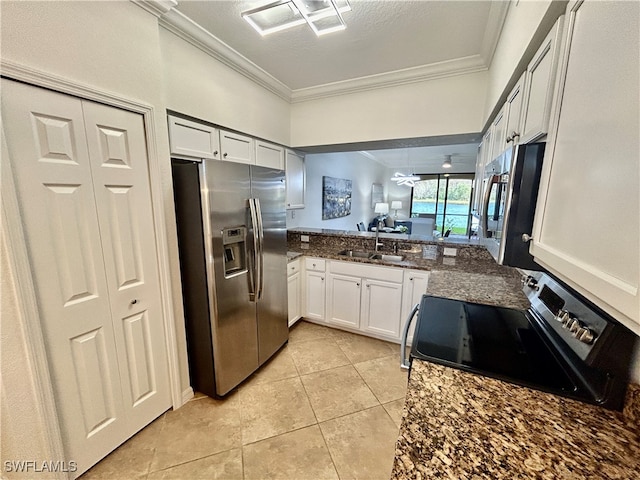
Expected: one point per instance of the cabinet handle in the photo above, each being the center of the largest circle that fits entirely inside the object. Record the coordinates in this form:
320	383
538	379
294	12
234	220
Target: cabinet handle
357	284
134	301
411	279
224	155
314	265
322	278
215	154
368	285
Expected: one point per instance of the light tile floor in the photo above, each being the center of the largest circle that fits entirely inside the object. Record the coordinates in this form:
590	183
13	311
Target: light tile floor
327	406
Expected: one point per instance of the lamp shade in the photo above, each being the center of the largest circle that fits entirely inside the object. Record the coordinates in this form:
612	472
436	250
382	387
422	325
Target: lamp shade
382	208
396	205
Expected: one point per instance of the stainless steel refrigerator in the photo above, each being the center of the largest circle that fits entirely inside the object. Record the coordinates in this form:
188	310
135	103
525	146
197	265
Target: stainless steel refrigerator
231	221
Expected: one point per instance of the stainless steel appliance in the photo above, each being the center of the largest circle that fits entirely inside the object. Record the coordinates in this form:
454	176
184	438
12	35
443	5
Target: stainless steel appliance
562	344
232	242
510	195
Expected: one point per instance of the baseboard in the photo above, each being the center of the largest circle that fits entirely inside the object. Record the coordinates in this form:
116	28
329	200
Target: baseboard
187	394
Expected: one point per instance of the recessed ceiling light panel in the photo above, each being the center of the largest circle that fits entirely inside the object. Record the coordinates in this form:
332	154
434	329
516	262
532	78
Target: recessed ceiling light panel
323	16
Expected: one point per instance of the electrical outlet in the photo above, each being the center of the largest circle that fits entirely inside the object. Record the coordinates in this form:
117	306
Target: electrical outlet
304	238
450	252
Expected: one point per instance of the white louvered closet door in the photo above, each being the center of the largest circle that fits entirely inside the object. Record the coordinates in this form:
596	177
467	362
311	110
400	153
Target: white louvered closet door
81	176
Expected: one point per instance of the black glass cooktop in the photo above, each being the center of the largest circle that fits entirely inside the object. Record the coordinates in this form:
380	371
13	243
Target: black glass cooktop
492	341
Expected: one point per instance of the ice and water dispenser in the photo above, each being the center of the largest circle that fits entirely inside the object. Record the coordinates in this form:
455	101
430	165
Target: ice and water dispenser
235	256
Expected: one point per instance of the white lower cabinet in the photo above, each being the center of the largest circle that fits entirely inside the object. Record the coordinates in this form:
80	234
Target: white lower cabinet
343	300
364	298
315	289
414	286
294	291
381	306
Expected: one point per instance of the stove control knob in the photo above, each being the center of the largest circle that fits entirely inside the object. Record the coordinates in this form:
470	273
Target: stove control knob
575	327
530	282
563	317
586	336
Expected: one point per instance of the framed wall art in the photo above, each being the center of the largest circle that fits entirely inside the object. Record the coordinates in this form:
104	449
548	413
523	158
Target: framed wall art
336	197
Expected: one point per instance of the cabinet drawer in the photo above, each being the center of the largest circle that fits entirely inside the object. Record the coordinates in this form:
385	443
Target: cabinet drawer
389	274
316	264
293	267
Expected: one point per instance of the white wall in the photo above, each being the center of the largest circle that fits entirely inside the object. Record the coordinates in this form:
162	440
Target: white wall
444	106
350	165
200	86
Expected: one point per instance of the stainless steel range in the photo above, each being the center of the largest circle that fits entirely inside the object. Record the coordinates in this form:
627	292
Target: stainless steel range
562	344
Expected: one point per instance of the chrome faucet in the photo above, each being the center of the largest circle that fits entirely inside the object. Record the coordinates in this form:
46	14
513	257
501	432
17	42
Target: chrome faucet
378	243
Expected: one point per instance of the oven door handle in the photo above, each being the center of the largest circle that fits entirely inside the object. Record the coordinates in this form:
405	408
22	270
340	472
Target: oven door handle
404	364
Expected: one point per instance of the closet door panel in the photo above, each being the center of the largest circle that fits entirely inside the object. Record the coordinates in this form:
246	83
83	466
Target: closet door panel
118	155
50	166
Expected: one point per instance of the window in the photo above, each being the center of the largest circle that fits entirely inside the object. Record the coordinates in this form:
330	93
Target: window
447	198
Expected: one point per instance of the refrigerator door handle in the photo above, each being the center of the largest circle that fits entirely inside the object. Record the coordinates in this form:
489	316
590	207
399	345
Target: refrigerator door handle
255	270
260	258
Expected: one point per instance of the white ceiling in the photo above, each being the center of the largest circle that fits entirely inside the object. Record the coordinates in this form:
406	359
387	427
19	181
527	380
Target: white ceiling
427	159
381	36
383	39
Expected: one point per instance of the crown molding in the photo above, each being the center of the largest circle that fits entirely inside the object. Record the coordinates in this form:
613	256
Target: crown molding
188	30
493	30
449	68
156	7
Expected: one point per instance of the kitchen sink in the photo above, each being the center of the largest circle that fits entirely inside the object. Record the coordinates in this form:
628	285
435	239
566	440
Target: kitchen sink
354	254
371	256
386	258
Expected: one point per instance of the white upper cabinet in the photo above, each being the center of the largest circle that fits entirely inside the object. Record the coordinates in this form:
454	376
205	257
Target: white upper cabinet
498	136
587	224
505	128
513	112
237	148
295	177
193	139
539	83
269	155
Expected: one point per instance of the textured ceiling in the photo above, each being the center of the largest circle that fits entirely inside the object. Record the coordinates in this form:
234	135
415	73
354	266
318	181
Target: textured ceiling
381	36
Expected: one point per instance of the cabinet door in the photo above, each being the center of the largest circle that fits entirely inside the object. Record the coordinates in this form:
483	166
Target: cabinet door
193	139
539	83
294	291
381	308
587	223
513	112
343	300
414	286
295	177
315	295
499	136
269	155
237	148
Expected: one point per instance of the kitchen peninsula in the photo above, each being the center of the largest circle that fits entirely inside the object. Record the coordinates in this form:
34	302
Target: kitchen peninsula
463	425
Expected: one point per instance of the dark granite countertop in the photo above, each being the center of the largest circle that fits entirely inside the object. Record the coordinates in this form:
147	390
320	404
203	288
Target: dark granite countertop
468	258
459	425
